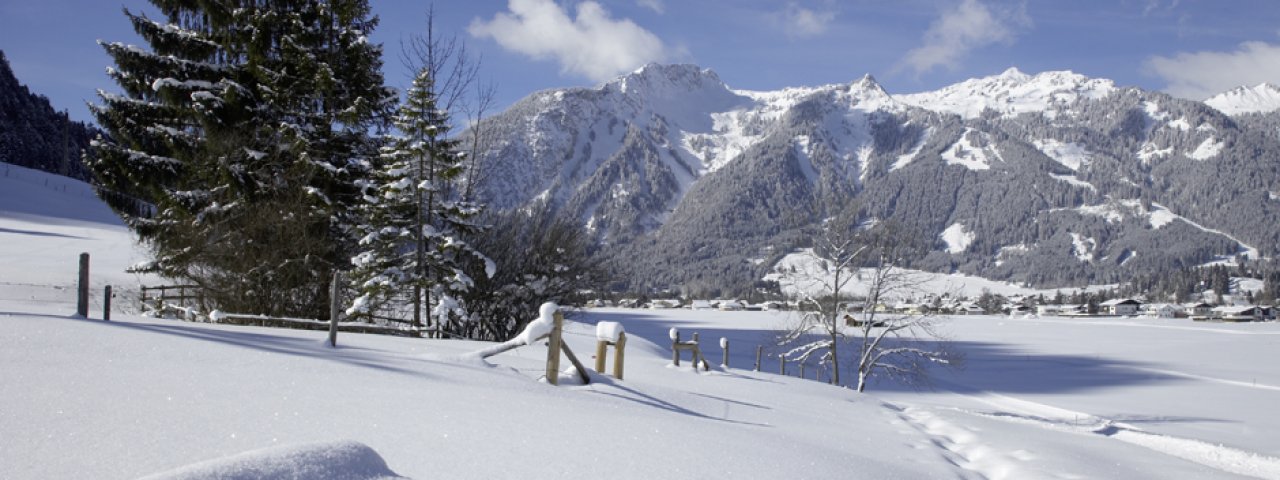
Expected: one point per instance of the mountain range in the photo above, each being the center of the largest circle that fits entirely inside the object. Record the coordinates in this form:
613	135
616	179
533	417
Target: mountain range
1053	179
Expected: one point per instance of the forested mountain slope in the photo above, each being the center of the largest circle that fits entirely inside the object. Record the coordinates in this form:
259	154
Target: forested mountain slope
1050	179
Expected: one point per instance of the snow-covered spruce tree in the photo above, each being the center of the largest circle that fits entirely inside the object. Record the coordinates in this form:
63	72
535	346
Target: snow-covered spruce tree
245	126
412	251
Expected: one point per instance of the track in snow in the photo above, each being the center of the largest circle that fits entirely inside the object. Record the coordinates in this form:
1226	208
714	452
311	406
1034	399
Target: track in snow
1219	457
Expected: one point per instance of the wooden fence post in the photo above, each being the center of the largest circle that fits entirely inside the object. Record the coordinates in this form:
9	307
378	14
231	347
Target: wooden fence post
693	353
724	347
602	350
106	304
675	347
759	352
553	350
802	365
82	289
333	308
782	364
617	359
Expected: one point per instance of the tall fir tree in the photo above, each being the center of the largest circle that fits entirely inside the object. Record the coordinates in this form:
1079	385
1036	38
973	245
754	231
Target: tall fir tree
247	127
414	261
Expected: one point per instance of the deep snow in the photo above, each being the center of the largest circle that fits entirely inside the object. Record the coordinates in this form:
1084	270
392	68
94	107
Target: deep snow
1038	398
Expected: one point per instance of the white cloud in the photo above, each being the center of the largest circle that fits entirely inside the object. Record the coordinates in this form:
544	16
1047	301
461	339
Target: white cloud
1156	6
592	44
1200	75
971	25
655	5
805	22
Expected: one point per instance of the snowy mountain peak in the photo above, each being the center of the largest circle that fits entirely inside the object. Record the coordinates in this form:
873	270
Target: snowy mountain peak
1262	98
1014	73
867	94
659	79
1011	93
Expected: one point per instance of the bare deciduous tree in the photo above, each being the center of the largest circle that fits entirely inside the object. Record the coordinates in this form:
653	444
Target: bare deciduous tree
898	343
820	290
844	288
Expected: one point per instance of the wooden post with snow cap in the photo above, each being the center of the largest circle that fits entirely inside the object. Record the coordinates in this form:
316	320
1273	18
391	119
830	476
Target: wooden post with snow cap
82	288
610	333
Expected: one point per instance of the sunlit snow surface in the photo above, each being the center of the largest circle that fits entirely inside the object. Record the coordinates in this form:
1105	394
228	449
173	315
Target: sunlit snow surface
1038	397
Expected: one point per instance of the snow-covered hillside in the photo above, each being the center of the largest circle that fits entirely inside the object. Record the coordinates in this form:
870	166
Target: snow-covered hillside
1039	398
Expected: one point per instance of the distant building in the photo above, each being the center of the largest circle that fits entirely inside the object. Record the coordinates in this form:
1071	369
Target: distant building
662	304
910	309
1247	313
1161	310
1197	311
773	306
701	305
1045	310
1120	307
731	306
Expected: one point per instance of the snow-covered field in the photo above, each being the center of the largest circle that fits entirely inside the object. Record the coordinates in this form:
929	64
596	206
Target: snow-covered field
1038	398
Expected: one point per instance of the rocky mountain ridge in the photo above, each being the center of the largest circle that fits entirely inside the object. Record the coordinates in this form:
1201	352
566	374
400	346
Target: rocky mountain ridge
1049	179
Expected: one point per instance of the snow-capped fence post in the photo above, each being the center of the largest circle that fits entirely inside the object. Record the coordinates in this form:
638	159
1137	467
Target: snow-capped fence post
724	348
759	353
553	349
692	346
106	304
610	333
334	304
82	289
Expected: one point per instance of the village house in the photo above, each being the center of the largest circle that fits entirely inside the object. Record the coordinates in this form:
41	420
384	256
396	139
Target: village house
1197	311
701	305
1120	307
1246	313
731	306
910	309
1161	310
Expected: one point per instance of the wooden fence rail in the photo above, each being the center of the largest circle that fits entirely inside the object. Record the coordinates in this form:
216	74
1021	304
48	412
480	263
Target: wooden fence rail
312	324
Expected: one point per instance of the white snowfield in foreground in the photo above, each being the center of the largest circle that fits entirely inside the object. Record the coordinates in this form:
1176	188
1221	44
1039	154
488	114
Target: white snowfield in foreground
1038	398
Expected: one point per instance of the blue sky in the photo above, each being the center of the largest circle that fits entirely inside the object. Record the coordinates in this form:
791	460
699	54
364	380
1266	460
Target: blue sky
1189	48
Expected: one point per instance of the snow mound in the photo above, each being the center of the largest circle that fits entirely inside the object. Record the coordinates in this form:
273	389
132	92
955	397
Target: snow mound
342	460
609	331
